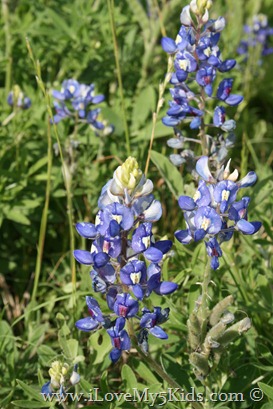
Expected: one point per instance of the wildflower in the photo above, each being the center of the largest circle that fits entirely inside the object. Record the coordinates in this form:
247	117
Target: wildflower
119	338
17	99
213	213
121	238
75	100
258	34
197	61
150	320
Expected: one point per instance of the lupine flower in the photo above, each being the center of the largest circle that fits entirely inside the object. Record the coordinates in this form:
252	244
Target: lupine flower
17	99
150	320
121	239
59	373
213	213
76	99
258	34
95	319
119	338
197	61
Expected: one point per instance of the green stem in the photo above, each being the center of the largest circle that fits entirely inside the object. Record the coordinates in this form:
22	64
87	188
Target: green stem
8	51
204	304
111	9
66	174
43	226
160	102
153	364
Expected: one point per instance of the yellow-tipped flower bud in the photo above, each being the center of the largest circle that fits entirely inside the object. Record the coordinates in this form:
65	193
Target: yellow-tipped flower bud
128	175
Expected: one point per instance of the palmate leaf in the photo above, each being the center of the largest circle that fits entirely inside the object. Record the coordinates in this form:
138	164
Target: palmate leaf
169	172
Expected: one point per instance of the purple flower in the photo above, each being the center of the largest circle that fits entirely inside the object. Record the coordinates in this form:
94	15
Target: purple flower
119	338
125	305
96	318
224	93
207	221
205	77
225	193
214	251
150	320
134	274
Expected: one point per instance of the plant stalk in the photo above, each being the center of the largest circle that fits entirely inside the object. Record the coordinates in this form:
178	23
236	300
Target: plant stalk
111	10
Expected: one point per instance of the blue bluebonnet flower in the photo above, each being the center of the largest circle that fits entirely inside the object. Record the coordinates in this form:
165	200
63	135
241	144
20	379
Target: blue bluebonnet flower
258	34
121	239
61	379
17	99
197	62
76	99
213	213
119	338
149	320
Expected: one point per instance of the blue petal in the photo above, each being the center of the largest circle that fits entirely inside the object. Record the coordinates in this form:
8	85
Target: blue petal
115	355
168	45
163	245
138	291
46	389
248	180
170	121
83	257
186	203
199	234
87	230
234	99
248	227
153	254
202	169
195	123
158	332
214	263
87	324
183	236
97	99
166	287
100	259
245	227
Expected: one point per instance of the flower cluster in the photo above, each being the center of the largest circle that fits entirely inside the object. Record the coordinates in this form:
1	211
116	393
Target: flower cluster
59	374
122	239
75	100
258	35
197	60
17	99
213	213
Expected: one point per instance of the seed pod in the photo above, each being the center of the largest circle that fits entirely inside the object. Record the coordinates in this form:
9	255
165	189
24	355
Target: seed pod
219	309
200	362
234	331
194	328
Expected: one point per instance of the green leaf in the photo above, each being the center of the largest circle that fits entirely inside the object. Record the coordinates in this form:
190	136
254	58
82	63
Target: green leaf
145	372
28	404
46	354
34	393
17	216
169	172
128	377
60	23
39	164
144	106
268	390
